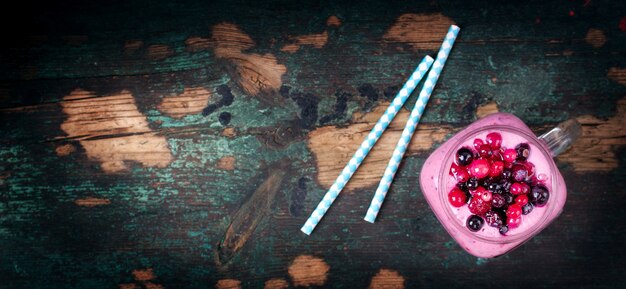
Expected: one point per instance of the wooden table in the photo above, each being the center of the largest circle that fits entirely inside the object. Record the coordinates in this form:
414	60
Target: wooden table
182	145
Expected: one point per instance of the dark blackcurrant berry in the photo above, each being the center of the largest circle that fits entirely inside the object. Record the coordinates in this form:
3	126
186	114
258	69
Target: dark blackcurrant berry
526	209
472	183
504	229
539	195
506	174
493	187
505	185
464	156
462	186
523	151
474	223
493	219
508	197
498	201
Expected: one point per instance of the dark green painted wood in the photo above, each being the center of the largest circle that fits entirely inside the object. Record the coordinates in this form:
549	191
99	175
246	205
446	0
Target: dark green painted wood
46	241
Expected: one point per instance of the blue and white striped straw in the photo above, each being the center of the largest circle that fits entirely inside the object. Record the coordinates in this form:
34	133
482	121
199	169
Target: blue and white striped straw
411	124
367	144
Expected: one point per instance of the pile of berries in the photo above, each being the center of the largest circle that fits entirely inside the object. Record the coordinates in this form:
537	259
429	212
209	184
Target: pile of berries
498	184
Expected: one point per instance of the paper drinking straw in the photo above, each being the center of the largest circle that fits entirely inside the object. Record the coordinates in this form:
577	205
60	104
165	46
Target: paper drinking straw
411	124
367	144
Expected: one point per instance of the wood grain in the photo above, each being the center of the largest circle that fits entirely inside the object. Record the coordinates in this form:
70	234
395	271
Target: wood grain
255	73
601	139
191	101
111	130
420	31
334	146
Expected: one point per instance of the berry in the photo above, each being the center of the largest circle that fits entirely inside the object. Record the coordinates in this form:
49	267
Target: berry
510	155
539	195
518	188
486	196
468	197
478	206
478	192
484	151
498	201
506	174
494	140
504	229
472	183
521	200
530	168
513	222
525	188
459	173
496	168
496	155
464	156
477	143
494	187
479	168
505	185
508	197
462	186
474	223
514	211
523	151
493	219
526	209
456	197
519	173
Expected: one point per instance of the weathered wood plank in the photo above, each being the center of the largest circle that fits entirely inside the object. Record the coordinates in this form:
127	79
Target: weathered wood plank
228	89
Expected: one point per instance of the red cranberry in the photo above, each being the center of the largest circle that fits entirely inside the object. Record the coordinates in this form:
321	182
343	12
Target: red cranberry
479	207
456	197
525	188
486	196
514	211
478	192
517	188
484	151
477	143
459	172
510	155
496	155
479	168
530	168
521	200
494	140
496	169
513	222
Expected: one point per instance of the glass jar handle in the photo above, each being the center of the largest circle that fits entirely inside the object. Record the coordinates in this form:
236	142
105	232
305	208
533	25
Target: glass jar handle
560	138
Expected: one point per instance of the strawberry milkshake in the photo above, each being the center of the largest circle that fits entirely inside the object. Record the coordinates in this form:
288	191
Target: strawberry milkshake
494	185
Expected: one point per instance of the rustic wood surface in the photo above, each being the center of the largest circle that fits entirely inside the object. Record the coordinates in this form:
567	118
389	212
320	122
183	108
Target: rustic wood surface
155	144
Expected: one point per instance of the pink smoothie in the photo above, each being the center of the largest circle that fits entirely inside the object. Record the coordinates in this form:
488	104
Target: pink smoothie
488	242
